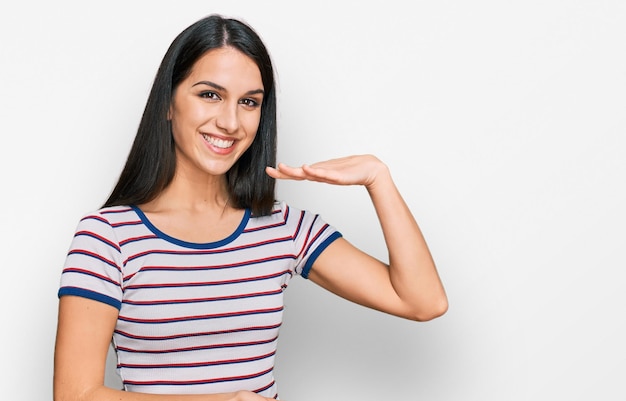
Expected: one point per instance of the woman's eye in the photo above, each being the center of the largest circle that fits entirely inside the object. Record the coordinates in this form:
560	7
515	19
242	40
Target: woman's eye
209	95
250	103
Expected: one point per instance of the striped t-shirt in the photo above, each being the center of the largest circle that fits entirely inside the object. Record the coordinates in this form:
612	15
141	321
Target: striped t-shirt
194	318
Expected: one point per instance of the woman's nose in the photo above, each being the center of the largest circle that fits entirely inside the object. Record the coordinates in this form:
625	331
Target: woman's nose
228	120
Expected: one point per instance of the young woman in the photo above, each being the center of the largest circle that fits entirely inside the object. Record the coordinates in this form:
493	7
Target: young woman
185	265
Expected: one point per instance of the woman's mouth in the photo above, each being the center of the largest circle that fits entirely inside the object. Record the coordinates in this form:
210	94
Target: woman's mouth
217	142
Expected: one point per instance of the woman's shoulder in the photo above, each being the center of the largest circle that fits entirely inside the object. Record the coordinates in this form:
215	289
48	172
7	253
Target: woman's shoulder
283	208
284	213
280	213
111	214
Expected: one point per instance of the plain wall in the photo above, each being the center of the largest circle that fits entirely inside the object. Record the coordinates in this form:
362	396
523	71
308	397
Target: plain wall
503	123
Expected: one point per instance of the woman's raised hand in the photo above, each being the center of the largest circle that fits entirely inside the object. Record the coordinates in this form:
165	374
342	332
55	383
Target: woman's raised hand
350	170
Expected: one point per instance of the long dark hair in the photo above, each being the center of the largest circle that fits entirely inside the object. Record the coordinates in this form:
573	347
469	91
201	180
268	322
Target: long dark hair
151	162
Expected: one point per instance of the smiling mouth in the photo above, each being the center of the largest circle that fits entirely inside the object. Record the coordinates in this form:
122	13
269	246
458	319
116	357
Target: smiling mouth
217	142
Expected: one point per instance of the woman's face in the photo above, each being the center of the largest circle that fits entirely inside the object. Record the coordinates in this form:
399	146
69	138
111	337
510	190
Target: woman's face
215	111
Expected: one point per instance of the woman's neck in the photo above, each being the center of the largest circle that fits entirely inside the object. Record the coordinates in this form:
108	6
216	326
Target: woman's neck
192	194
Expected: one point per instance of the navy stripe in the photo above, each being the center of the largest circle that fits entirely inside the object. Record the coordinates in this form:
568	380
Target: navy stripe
83	293
99	238
204	251
202	317
199	334
116	211
90	274
190	382
198	364
309	263
215	267
136	239
194	245
199	348
152	302
207	283
95	256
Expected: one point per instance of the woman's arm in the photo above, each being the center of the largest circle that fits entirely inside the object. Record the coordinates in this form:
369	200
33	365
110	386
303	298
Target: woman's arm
83	337
409	286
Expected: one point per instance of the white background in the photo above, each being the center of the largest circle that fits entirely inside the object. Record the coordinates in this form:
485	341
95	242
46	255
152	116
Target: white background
503	123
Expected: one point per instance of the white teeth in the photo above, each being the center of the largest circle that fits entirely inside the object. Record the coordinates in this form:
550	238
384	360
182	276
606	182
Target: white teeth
220	143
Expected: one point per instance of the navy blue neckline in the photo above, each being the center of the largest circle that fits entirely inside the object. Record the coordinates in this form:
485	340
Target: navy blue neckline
195	245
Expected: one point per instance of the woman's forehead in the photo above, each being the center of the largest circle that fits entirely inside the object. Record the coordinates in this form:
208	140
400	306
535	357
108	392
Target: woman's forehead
227	67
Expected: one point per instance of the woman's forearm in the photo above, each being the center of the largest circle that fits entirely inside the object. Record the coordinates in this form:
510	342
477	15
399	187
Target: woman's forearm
411	267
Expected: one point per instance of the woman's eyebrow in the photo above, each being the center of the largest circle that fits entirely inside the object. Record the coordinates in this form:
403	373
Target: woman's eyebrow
211	84
221	88
255	92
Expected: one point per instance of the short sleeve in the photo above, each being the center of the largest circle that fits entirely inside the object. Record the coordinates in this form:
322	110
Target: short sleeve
312	236
93	266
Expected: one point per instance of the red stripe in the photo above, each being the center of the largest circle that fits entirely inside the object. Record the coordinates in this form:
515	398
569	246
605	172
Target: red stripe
206	251
89	273
208	283
202	317
202	333
95	256
197	348
203	381
99	237
194	300
198	364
